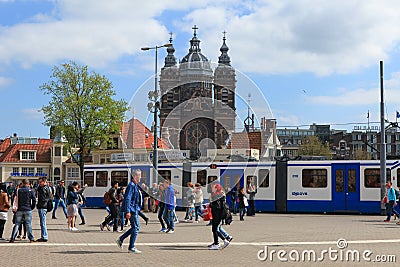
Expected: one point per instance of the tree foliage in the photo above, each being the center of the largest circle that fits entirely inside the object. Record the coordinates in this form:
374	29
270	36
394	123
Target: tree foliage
312	146
82	108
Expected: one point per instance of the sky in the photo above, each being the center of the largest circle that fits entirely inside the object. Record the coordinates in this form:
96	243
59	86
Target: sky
310	61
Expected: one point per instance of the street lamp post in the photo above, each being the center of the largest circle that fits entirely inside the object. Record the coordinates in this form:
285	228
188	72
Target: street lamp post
153	96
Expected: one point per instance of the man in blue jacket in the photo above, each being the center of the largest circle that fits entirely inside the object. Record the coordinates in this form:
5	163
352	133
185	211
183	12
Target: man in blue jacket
131	206
26	199
169	210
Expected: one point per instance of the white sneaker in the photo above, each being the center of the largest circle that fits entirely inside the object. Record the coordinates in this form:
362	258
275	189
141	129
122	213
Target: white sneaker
134	250
74	229
226	243
170	232
214	247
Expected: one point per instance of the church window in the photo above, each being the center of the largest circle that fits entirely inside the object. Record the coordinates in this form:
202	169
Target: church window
170	99
224	95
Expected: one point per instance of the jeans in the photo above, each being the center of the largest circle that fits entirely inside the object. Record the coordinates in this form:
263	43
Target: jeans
222	231
168	217
81	213
160	216
27	216
216	226
59	202
197	212
43	227
241	213
389	209
133	231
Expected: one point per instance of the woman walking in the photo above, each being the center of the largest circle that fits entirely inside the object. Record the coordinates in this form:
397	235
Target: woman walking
218	211
72	208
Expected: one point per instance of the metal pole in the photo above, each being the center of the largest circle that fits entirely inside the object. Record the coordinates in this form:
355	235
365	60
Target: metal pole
383	144
155	143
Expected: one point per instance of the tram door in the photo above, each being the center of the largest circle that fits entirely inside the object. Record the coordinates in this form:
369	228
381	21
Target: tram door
231	178
346	187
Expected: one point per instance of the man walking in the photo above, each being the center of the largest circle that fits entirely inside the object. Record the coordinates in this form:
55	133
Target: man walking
26	203
114	208
131	206
169	213
59	199
44	196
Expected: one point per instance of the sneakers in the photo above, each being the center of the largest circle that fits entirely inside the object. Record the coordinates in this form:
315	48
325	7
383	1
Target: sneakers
101	227
214	247
82	223
41	240
119	243
118	231
163	230
108	227
226	243
146	220
2	238
169	231
134	250
74	229
210	245
229	238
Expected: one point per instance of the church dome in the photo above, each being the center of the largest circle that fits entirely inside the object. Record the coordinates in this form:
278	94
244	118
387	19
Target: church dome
195	59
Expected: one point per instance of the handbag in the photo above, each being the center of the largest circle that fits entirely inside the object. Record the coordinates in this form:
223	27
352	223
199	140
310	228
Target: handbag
49	205
15	204
207	215
246	203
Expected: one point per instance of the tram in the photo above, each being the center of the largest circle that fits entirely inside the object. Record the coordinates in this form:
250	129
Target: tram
351	186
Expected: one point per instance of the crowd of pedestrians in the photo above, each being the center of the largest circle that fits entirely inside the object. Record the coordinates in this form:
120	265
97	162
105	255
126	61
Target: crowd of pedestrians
126	205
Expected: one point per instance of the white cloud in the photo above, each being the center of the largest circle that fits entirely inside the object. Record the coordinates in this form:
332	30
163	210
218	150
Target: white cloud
264	36
33	113
302	36
5	81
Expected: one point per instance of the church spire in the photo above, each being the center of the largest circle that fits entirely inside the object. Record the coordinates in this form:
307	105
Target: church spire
195	42
224	58
170	59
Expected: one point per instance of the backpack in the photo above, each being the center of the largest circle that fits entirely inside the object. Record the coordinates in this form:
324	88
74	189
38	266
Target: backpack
107	198
397	193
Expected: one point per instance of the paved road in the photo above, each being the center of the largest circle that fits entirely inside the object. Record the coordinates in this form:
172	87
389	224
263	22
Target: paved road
289	235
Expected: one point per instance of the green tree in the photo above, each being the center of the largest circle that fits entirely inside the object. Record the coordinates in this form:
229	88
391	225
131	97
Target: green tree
362	154
312	146
82	109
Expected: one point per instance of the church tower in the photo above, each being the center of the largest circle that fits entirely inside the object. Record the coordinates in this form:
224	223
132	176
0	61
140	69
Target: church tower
197	105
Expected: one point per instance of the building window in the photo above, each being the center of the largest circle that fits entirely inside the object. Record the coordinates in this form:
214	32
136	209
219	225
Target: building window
27	155
101	179
314	178
202	177
39	171
170	99
15	170
121	177
24	171
88	178
72	173
31	171
264	177
57	151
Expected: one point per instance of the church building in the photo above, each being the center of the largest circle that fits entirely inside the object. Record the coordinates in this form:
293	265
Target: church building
197	110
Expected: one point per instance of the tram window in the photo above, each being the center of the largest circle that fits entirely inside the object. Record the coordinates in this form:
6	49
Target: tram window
210	180
226	181
264	178
372	177
315	178
398	176
339	180
351	181
119	176
88	178
166	175
101	179
251	179
202	177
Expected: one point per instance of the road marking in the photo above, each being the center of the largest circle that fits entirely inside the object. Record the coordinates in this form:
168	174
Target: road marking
188	244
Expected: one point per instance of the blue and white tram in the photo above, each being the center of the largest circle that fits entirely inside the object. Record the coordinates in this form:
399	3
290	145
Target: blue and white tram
282	186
